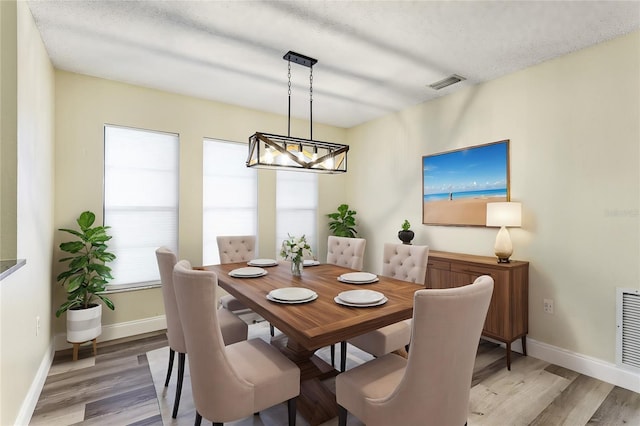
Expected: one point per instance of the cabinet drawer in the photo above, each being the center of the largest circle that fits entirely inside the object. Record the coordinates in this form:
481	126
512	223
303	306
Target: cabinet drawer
439	264
474	270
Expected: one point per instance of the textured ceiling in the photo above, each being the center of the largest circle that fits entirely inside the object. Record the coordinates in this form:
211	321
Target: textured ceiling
374	57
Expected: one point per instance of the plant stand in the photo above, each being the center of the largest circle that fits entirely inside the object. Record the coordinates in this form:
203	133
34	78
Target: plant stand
76	348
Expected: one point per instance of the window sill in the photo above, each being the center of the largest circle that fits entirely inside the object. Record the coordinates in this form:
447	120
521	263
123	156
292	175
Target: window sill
124	288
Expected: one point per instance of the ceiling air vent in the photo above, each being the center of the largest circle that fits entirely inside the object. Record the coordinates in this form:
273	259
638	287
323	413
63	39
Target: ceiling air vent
448	81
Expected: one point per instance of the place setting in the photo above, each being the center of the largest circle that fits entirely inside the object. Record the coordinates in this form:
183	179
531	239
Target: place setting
360	298
292	295
262	262
248	272
310	262
358	278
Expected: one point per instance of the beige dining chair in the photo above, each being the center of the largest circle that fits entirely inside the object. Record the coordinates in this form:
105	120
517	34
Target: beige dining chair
349	253
232	249
228	382
403	262
432	386
233	328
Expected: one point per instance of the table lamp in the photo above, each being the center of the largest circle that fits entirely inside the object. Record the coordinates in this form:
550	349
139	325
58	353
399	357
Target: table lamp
503	215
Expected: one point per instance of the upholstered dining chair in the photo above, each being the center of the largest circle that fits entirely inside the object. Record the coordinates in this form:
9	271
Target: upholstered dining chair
233	328
232	249
228	382
432	386
347	252
403	262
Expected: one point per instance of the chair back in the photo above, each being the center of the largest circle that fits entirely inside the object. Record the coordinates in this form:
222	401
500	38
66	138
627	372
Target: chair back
405	262
347	252
236	248
217	389
447	324
166	261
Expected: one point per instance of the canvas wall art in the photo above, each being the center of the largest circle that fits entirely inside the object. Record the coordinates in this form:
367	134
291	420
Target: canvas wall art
457	185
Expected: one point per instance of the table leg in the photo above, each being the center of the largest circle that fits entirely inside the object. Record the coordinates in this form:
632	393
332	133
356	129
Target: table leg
524	345
316	402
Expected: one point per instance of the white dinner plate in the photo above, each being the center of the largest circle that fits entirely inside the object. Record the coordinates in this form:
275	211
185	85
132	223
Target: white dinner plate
310	262
248	272
361	297
358	277
290	294
355	305
273	299
262	262
375	280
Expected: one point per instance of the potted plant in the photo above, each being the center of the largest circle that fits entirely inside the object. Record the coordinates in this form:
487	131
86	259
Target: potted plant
85	279
343	222
406	234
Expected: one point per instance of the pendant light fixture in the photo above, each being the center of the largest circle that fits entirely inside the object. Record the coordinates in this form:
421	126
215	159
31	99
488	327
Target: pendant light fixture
271	151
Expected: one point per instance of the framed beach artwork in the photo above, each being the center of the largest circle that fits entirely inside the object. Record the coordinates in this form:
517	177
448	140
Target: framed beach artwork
457	185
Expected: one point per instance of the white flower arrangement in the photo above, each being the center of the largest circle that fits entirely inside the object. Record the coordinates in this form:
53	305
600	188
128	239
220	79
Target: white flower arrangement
295	249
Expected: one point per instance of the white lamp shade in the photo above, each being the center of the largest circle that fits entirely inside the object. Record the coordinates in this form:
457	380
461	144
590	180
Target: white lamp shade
504	214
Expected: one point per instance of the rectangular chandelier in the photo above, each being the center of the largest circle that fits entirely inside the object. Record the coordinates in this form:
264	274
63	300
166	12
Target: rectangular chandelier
277	152
271	151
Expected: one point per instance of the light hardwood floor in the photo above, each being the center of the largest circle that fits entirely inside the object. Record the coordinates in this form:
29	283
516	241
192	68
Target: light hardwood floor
117	388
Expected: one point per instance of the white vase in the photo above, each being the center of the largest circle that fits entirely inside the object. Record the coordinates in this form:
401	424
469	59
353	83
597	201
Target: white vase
84	324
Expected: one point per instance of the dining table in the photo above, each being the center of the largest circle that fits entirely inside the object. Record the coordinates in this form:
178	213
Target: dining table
312	324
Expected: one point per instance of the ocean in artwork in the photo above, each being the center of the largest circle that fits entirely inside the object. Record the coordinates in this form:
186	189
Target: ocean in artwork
481	194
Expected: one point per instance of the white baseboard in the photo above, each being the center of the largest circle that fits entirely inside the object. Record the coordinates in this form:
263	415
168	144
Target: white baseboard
120	330
31	399
593	367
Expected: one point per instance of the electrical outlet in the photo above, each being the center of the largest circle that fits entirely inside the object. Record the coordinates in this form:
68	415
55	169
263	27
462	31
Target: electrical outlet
37	325
548	306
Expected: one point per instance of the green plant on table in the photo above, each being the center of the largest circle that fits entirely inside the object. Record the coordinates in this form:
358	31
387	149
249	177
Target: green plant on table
406	225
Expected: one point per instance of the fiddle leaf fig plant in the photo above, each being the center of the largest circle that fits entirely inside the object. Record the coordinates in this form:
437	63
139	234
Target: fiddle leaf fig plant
343	222
87	274
406	225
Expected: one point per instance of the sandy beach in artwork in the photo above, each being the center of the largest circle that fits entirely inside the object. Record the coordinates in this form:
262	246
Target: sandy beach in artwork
464	212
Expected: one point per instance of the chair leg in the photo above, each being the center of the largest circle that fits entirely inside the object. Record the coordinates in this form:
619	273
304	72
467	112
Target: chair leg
176	403
333	355
172	355
272	330
291	405
198	419
342	416
343	355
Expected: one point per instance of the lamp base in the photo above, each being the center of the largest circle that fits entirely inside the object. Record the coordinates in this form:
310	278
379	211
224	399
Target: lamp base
503	247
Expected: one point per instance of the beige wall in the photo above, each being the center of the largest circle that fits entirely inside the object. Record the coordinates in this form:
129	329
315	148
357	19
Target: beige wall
574	127
26	294
84	104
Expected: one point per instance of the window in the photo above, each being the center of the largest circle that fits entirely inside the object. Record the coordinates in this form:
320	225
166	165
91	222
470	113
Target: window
140	201
296	207
230	195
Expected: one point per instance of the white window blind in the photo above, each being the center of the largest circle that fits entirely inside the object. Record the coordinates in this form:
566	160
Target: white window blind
230	195
140	201
296	207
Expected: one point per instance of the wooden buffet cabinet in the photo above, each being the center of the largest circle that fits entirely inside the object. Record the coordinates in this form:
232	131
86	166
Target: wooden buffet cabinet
508	315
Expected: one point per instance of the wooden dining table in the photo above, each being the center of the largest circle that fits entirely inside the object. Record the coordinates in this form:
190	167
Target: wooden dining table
309	326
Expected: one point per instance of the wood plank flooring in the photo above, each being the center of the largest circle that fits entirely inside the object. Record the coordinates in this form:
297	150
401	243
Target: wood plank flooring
117	388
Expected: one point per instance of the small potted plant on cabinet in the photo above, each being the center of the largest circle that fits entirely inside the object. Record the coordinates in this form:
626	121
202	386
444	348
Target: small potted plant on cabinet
343	222
84	280
406	234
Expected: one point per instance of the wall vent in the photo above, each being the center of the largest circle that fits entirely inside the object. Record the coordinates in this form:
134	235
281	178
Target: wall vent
448	81
628	328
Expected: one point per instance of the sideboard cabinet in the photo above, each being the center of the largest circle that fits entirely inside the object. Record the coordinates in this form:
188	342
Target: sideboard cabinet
508	315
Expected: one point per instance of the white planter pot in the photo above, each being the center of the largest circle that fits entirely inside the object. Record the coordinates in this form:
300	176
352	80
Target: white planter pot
84	324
